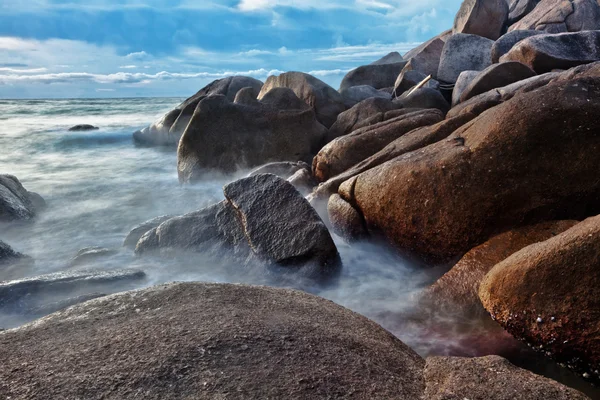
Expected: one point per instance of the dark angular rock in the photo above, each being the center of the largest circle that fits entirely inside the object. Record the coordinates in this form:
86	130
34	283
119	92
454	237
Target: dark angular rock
508	41
16	203
556	16
485	18
391	58
355	94
410	78
496	76
83	127
464	80
424	98
517	9
377	76
464	52
426	58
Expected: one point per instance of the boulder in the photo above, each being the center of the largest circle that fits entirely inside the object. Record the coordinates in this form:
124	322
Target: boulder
548	294
517	9
426	58
413	52
137	232
283	98
545	53
556	16
303	181
410	78
377	76
464	52
343	216
226	136
489	378
8	255
508	41
283	169
355	94
496	76
391	58
264	221
90	254
201	340
247	96
345	151
487	176
457	291
424	97
464	80
83	127
322	98
485	18
168	130
367	112
16	203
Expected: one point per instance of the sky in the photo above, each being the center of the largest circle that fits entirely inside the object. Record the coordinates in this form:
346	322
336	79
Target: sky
130	48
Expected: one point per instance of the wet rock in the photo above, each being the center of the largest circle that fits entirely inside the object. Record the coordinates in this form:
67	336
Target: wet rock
410	78
355	94
556	16
508	41
483	179
322	98
426	57
136	233
464	80
545	53
457	290
344	219
424	98
463	52
485	18
517	9
548	294
377	76
226	136
303	181
208	341
391	58
283	170
346	151
496	76
16	203
168	130
490	378
90	254
12	263
83	127
8	255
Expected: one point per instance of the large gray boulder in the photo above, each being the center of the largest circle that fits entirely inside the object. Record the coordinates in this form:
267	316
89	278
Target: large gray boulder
16	203
517	9
464	52
355	94
545	53
496	76
508	41
556	16
208	341
464	80
485	18
168	130
322	98
378	76
283	98
226	136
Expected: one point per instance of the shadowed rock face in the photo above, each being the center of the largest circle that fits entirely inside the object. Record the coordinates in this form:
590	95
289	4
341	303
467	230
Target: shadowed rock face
226	136
355	94
496	76
426	58
508	41
486	177
517	9
490	378
548	294
16	203
195	340
378	76
485	18
556	16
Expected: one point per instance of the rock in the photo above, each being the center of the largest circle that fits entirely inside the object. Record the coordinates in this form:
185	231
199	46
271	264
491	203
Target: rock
322	98
367	112
90	254
344	219
168	130
8	255
410	78
548	294
246	96
424	98
345	151
485	178
508	41
391	58
83	127
283	170
490	378
464	80
556	16
226	136
485	18
12	263
457	290
377	76
283	98
496	76
545	53
16	203
517	9
355	94
464	52
426	58
137	232
200	340
303	181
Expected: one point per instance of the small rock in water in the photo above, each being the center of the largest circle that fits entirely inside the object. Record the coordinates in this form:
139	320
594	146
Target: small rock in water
88	254
83	127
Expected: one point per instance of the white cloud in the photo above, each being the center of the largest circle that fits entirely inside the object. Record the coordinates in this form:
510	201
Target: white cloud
138	55
256	52
128	66
23	70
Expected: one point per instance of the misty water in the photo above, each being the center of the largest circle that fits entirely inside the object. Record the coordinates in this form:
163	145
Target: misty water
99	185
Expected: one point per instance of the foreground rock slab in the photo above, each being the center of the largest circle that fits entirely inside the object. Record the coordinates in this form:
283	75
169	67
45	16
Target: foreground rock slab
548	294
195	340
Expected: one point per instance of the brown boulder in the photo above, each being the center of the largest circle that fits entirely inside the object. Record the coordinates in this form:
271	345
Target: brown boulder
556	16
548	294
508	41
426	58
485	18
378	76
345	151
517	9
510	166
496	76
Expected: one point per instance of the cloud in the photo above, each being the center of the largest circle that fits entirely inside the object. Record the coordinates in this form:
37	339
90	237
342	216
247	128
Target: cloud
138	55
128	66
256	52
22	70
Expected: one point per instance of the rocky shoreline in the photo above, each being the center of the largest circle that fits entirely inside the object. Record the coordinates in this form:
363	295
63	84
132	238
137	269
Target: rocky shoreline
476	152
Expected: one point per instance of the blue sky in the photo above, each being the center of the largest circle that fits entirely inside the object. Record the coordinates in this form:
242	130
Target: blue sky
101	48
